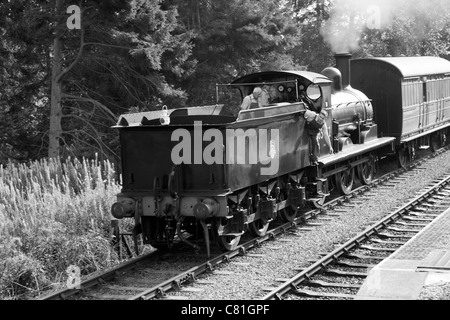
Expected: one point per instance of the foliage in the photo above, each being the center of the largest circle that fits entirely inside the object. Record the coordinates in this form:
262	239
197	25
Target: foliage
117	62
53	215
422	31
234	38
312	51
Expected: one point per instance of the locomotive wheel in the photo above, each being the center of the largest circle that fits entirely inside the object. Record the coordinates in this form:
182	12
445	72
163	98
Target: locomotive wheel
344	181
402	158
366	172
258	228
435	143
287	214
226	243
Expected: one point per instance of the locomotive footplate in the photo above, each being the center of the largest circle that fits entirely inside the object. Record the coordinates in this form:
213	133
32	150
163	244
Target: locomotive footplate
356	150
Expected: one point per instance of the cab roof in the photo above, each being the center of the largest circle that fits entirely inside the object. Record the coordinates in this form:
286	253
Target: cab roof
267	75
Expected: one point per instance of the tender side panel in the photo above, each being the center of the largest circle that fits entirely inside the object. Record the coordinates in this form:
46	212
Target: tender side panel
291	151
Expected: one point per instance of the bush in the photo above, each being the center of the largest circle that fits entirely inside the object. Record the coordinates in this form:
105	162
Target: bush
53	215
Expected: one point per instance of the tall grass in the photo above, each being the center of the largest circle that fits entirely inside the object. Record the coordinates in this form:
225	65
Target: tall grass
53	215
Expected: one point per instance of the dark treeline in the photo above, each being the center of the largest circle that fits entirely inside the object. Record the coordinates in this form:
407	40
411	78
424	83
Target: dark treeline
62	89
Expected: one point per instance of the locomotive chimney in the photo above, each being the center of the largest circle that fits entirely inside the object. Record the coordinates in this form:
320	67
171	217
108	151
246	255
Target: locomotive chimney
343	64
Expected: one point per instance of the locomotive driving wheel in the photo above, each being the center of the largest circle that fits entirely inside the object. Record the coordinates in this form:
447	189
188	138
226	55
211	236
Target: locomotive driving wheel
435	143
225	242
258	228
228	243
402	158
366	171
344	181
288	214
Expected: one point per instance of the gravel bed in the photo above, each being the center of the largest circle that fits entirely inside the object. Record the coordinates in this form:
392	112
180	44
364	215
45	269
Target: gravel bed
439	291
247	281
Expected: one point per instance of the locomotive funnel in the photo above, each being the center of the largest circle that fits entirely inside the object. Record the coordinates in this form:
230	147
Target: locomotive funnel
343	64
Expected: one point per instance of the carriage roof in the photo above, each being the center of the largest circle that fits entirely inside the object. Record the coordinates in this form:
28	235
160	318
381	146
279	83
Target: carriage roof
409	67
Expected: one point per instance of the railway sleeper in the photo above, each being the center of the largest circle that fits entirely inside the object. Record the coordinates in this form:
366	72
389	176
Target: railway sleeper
363	257
443	197
417	219
403	230
387	242
420	209
438	200
320	283
371	248
314	294
394	236
354	265
419	214
434	206
406	224
336	272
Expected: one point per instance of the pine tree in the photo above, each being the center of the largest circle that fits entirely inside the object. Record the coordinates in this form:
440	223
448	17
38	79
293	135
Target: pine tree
125	56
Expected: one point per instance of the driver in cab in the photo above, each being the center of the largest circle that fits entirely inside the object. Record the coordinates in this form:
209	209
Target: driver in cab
252	101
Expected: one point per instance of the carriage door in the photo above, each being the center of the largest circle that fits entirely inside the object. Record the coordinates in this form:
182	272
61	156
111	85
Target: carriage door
444	91
424	120
434	100
413	105
440	94
446	98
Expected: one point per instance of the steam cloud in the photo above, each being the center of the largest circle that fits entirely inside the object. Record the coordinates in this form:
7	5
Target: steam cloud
349	19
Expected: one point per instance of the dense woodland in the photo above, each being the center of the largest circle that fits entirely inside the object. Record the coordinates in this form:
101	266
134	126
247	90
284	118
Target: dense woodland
62	89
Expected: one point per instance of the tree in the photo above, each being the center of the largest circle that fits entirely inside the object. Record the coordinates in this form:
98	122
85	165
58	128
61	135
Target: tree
25	66
421	30
233	38
124	57
312	51
125	53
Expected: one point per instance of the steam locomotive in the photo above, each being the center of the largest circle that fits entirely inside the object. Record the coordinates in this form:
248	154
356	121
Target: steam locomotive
203	171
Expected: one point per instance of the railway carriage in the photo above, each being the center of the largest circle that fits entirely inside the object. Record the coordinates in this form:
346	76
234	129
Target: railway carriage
411	98
203	172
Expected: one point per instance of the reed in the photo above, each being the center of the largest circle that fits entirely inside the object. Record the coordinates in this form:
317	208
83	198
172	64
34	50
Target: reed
53	215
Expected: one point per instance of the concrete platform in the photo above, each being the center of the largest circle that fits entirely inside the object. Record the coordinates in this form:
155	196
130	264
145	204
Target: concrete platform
424	260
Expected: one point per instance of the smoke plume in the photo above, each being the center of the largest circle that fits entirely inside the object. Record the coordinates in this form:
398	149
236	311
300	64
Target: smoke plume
350	18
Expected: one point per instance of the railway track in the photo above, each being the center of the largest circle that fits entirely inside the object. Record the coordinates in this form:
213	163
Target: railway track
341	273
157	282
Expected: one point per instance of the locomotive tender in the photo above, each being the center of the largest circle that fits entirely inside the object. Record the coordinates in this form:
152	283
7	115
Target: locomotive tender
202	171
